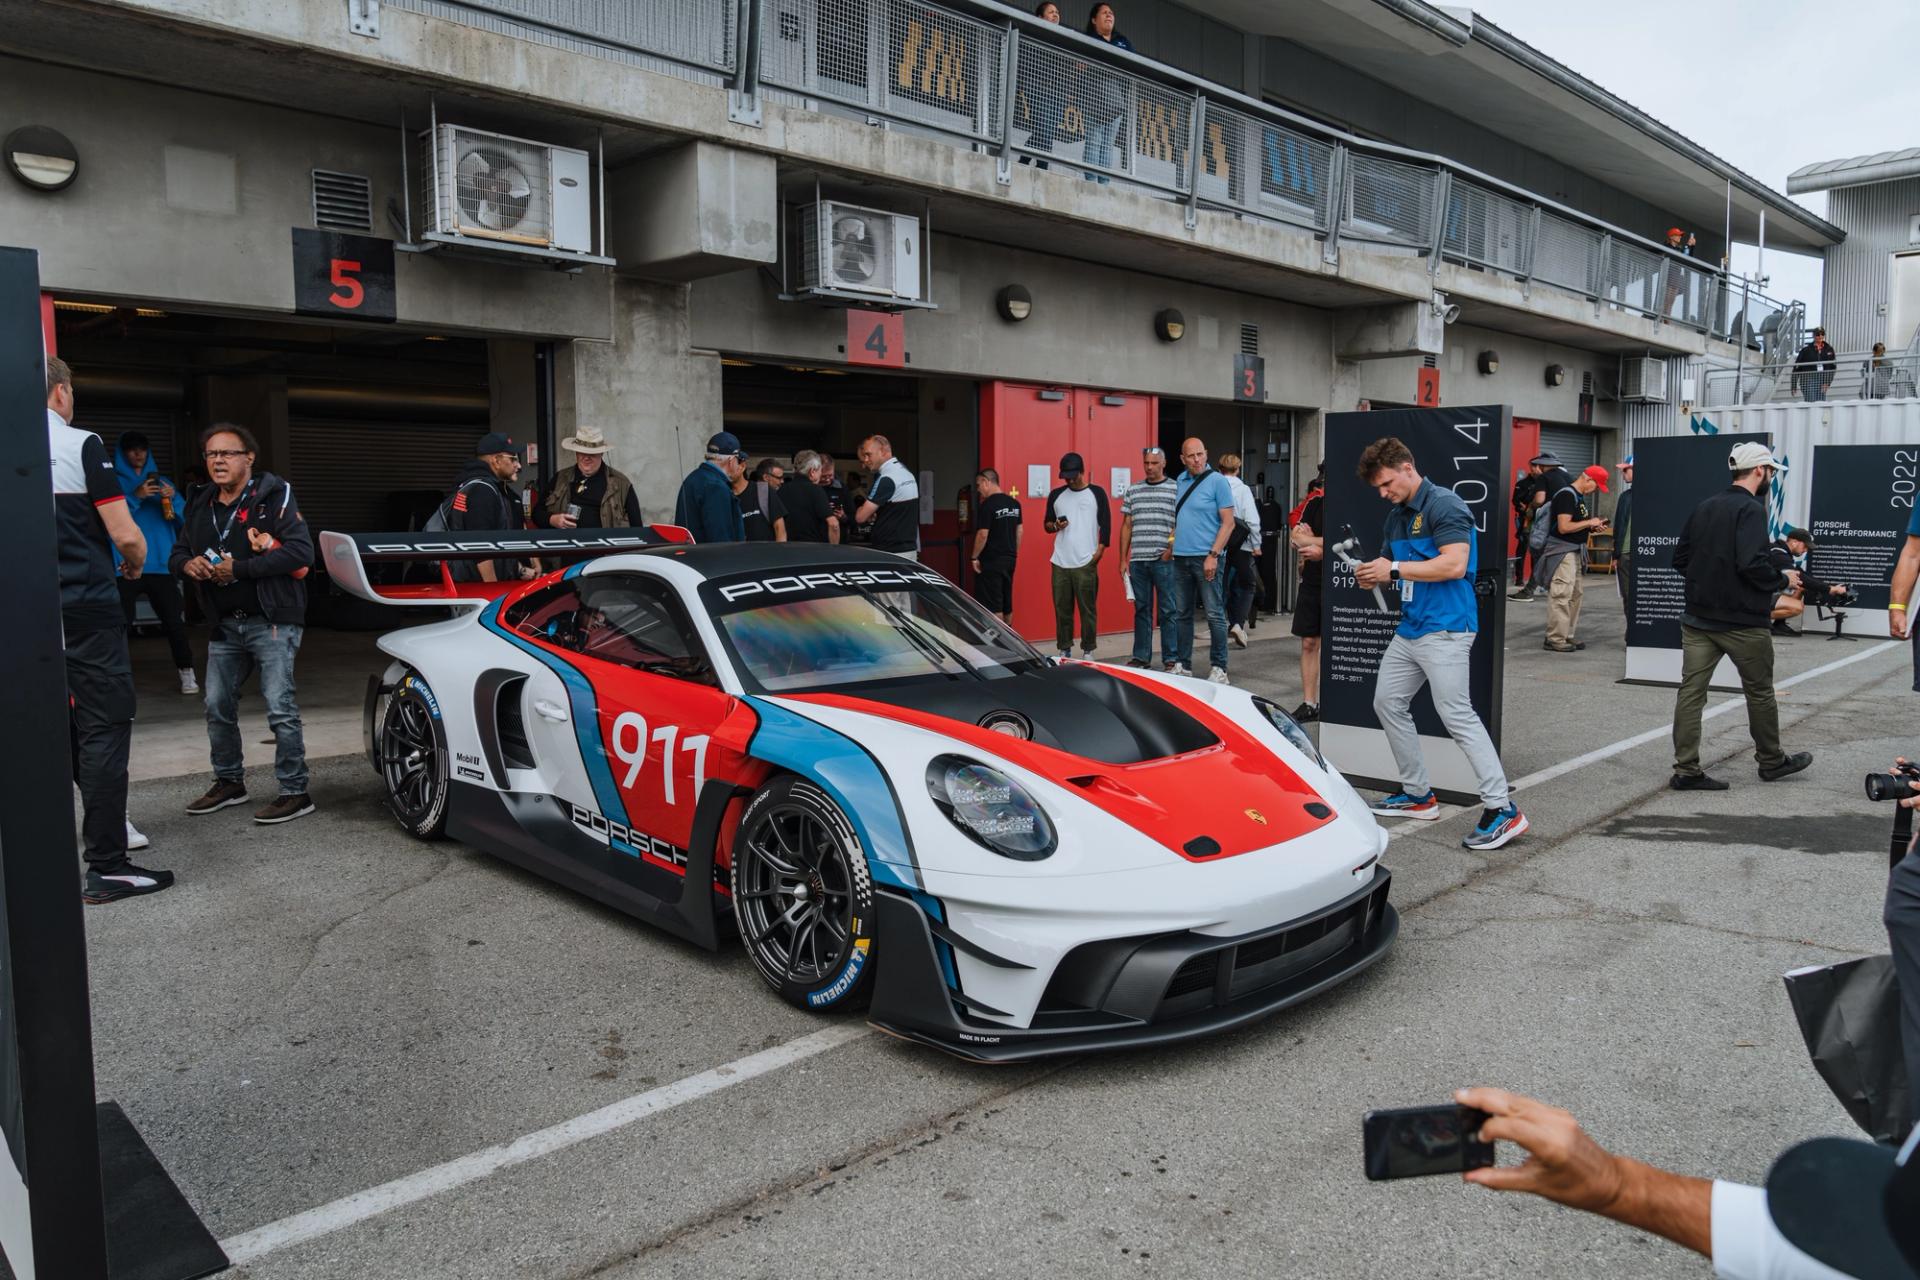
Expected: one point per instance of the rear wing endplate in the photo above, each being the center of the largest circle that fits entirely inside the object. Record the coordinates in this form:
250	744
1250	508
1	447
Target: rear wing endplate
347	555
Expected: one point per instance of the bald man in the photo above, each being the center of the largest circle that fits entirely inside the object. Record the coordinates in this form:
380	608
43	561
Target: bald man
1202	525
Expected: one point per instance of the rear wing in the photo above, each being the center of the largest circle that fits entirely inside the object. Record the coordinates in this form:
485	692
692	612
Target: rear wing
347	555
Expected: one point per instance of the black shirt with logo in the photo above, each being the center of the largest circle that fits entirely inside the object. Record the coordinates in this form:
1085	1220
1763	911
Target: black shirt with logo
1569	503
1000	517
222	528
759	525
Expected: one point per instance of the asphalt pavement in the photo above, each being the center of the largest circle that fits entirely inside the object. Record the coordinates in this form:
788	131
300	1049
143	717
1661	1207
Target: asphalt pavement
329	1007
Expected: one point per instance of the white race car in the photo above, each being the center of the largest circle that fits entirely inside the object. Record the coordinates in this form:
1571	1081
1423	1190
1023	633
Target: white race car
895	801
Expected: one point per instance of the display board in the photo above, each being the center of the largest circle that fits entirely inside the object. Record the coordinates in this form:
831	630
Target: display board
1671	476
1465	450
1861	499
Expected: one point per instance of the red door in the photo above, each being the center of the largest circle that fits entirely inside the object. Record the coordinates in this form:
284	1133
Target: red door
1024	431
1526	444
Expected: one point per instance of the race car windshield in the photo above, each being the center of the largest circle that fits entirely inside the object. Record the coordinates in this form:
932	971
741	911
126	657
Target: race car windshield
839	636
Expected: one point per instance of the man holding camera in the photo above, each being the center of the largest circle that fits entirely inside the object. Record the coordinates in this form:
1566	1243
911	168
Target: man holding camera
1731	583
1791	552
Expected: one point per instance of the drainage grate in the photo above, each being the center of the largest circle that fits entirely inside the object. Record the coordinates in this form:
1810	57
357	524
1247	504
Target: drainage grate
342	201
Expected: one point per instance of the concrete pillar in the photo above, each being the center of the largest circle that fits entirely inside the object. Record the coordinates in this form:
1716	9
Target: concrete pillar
656	398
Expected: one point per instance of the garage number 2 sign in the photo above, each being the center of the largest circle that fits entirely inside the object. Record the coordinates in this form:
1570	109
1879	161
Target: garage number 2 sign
343	276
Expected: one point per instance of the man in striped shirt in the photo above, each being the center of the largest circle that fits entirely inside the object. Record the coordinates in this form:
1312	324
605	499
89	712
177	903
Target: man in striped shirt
1146	540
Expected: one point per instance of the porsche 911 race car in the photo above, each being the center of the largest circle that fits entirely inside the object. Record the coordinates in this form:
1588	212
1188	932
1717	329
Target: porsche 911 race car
893	800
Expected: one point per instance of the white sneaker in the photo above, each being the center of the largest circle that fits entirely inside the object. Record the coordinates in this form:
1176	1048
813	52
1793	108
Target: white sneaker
1239	635
134	839
1218	676
187	683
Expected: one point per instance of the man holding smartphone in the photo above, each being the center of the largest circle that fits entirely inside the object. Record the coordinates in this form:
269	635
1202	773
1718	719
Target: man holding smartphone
1563	559
1080	519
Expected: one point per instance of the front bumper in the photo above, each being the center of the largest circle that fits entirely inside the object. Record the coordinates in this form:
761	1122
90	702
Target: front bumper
1124	992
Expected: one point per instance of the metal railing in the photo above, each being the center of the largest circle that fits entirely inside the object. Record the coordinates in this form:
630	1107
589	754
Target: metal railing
1855	376
997	79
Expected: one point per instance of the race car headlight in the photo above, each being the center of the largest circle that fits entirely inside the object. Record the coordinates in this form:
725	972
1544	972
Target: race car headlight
1287	725
991	808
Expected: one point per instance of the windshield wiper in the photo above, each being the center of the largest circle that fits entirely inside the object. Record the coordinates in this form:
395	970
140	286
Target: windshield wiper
929	645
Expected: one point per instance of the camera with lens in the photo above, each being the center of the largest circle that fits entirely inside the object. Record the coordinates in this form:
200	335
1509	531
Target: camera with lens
1897	785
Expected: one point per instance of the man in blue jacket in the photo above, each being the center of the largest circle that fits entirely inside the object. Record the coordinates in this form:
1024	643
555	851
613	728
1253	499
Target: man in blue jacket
706	507
157	509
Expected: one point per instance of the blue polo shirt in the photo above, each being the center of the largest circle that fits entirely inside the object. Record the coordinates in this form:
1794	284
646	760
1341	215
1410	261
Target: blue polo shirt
1416	530
1198	523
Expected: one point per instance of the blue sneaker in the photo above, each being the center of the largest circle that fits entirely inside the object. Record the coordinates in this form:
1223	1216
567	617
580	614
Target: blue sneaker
1401	805
1497	826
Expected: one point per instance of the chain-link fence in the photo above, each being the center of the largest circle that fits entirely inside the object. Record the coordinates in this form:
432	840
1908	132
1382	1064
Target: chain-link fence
1389	201
1264	169
1100	119
1487	229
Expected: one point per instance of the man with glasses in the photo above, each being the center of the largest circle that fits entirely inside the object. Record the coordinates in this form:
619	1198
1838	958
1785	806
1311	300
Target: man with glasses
248	550
482	503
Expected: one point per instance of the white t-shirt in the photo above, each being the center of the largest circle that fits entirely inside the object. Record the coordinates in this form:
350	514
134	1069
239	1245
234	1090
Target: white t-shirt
1746	1244
1074	545
1245	510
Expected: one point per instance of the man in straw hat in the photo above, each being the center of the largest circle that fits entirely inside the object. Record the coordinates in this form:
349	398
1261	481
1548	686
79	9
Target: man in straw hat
591	494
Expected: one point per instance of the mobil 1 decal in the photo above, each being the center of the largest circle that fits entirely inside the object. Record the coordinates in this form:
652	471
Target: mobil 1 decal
1671	476
1464	450
1861	502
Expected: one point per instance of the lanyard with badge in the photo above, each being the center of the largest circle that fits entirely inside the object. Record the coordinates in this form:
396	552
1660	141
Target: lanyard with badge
216	553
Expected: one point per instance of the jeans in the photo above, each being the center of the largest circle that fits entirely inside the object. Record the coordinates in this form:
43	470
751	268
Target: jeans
1190	583
1077	586
1813	390
239	647
1751	649
1241	586
100	726
163	593
1441	661
1100	143
1153	605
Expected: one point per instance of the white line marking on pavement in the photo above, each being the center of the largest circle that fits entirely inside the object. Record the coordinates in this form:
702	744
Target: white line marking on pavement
345	1212
1612	749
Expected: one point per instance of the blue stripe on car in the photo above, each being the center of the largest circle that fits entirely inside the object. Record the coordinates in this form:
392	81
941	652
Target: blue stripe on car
586	723
846	771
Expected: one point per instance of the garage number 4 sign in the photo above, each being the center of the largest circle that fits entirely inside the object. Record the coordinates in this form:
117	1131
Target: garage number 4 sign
343	276
876	338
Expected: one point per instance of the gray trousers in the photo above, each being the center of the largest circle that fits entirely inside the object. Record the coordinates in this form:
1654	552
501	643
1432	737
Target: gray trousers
1438	660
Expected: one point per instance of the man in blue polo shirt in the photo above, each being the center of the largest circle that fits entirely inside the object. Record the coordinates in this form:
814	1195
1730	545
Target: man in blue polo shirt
1202	526
1430	542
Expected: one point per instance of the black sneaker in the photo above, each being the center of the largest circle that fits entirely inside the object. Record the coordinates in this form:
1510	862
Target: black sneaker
1780	628
1306	712
221	794
1695	782
1575	647
125	881
285	809
1788	767
1138	662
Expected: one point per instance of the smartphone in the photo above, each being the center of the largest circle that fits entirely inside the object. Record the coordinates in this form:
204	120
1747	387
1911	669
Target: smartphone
1414	1142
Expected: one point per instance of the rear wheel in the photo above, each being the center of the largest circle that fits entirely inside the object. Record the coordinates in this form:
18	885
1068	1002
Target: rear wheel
413	759
803	897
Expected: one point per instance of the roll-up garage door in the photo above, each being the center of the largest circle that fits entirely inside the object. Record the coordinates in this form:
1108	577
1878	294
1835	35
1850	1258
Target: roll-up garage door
351	476
110	421
1576	446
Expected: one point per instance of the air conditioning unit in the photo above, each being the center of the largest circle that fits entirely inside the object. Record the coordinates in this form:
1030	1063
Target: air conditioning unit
1643	379
844	247
512	191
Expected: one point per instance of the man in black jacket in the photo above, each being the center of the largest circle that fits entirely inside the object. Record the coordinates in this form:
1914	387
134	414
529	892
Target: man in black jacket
1731	580
1813	367
482	503
248	550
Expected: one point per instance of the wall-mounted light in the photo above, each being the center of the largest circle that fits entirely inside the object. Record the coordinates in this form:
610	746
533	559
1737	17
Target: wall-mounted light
40	157
1169	325
1489	362
1014	303
1556	375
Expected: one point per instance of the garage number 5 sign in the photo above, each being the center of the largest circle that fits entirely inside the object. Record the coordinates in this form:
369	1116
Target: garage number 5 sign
347	277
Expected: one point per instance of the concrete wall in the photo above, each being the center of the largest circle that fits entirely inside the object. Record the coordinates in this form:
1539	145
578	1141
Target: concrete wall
1091	326
1521	381
657	399
187	200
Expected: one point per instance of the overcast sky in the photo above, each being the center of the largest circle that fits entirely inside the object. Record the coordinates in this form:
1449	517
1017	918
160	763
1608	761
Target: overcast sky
1765	84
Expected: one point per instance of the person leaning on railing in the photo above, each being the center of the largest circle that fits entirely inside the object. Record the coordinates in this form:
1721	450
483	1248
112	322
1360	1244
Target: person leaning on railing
1103	100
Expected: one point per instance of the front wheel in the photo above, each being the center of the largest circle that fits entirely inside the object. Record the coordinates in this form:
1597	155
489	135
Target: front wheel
803	897
413	759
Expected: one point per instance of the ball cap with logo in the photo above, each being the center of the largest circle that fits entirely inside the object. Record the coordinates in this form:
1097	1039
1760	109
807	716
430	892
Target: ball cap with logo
723	443
496	442
1852	1205
1747	456
1072	465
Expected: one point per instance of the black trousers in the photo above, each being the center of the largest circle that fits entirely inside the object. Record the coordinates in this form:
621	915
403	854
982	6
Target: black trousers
100	719
1902	918
163	593
1243	585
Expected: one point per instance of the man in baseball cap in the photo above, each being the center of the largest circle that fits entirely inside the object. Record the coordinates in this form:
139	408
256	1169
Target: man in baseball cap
1731	582
706	507
1571	517
1546	476
484	501
1080	519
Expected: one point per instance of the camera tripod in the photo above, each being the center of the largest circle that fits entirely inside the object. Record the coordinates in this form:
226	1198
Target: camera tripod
1839	617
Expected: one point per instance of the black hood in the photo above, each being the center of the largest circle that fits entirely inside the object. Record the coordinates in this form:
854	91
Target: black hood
1078	709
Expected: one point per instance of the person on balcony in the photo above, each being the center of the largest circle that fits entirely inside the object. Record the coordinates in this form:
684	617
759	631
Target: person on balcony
1879	371
1042	110
1103	99
1813	368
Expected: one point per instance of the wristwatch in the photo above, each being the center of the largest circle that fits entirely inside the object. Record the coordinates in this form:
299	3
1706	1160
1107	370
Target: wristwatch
1393	569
